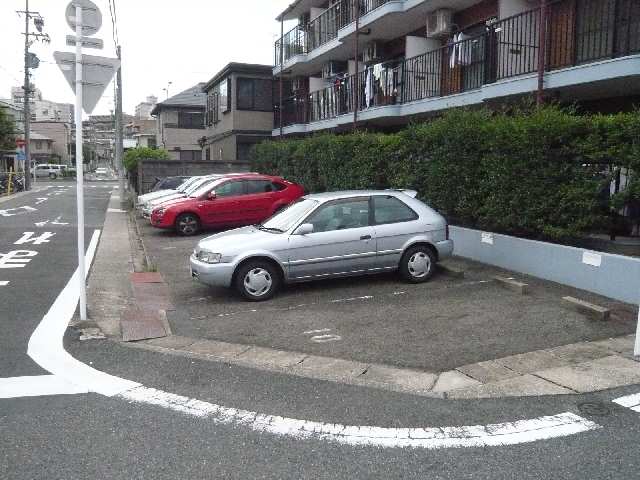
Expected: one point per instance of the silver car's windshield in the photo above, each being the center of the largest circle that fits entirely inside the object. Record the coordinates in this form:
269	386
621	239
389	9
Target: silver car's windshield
287	218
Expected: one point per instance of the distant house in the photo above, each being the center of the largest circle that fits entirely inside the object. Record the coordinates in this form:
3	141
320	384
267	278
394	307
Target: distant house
60	133
180	123
42	149
239	111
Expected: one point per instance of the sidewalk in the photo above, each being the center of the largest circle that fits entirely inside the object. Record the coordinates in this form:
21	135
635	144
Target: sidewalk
115	291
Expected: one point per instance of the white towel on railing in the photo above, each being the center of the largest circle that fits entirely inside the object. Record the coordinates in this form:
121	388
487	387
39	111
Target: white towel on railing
460	51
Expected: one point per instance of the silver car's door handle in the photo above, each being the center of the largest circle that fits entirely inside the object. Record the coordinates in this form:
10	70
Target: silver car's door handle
365	237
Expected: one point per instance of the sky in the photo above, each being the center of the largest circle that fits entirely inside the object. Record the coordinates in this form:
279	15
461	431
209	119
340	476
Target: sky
162	41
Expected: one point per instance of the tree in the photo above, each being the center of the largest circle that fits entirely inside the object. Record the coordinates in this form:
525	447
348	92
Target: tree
133	156
7	127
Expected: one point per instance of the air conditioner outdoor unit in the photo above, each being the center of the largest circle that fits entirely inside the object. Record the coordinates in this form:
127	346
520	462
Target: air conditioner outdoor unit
333	69
373	53
439	23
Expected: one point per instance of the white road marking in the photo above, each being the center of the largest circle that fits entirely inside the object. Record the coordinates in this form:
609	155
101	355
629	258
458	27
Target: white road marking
57	221
16	258
321	330
41	200
4	283
28	237
499	434
352	299
326	338
115	210
5	213
41	224
46	348
629	401
36	386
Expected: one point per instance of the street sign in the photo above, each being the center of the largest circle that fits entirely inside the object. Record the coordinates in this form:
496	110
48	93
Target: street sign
87	42
91	16
20	142
97	73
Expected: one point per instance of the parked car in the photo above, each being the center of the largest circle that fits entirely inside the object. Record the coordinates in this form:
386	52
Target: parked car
148	206
233	200
168	183
52	171
146	197
326	235
101	171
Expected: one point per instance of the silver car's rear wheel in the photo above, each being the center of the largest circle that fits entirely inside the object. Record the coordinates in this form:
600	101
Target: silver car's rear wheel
417	264
257	280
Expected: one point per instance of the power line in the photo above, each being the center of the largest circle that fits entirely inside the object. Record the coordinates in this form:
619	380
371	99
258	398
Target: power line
114	27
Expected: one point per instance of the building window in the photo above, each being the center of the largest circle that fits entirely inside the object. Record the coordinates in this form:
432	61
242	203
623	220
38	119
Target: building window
218	101
38	145
207	153
190	120
244	151
151	142
190	155
254	94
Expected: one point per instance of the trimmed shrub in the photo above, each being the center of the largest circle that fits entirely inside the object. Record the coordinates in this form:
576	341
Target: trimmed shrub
539	173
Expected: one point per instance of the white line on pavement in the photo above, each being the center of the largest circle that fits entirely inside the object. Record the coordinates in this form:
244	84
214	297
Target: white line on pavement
629	401
499	434
4	283
36	386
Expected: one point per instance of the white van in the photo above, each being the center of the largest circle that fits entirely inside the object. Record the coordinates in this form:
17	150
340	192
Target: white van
49	170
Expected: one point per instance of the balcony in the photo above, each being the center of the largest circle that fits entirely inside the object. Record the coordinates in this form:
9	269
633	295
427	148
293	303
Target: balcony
303	39
508	50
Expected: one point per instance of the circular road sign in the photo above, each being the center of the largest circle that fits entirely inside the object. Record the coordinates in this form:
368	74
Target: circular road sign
91	16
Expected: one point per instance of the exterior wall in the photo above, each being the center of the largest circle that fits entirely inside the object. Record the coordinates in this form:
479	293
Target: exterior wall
41	150
477	13
148	170
60	133
614	276
175	139
236	126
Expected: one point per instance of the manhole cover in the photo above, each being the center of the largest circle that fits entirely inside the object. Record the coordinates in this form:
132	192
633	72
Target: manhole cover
594	408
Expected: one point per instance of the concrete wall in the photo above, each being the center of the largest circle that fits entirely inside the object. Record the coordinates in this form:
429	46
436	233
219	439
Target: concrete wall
613	276
148	170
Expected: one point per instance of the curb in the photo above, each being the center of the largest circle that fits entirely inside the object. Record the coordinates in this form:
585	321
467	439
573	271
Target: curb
147	260
564	370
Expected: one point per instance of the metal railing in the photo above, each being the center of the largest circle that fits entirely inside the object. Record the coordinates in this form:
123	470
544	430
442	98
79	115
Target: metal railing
322	29
597	30
292	43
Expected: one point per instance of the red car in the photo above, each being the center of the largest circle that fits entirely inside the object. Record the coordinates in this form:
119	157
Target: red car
231	201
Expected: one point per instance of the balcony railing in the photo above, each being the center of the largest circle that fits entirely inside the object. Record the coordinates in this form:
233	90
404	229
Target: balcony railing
596	30
322	29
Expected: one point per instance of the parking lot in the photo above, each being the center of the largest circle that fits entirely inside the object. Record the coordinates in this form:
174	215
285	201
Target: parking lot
442	324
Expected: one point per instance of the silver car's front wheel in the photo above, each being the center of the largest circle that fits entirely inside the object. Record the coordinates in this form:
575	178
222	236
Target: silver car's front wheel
257	280
417	264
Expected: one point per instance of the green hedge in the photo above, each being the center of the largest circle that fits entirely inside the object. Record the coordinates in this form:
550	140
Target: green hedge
538	173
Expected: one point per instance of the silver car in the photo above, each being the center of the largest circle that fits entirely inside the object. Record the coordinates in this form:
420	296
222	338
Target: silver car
326	235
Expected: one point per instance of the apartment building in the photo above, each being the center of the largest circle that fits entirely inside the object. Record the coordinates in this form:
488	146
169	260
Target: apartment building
239	111
43	110
180	123
416	58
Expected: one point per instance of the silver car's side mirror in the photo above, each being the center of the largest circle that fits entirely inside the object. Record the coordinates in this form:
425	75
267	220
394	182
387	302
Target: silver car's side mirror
304	229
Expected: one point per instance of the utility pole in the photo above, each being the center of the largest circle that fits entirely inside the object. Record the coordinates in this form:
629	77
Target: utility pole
542	51
30	61
27	114
119	146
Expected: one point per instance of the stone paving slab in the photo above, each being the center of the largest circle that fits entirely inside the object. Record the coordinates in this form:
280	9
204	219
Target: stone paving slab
172	341
531	361
579	352
523	386
623	345
608	372
402	378
486	372
220	350
137	324
268	357
328	367
453	380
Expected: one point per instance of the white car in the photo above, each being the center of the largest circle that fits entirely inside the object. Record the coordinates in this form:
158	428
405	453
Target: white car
49	170
147	197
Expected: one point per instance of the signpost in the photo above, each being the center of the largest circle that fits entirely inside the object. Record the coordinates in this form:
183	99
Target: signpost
88	76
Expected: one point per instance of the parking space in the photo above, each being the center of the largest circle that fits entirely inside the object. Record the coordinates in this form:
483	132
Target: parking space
445	323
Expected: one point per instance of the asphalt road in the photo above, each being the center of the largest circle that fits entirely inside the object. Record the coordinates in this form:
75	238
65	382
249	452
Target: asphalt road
88	436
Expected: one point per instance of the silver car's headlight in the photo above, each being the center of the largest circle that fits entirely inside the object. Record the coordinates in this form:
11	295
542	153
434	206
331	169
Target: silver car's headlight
208	257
